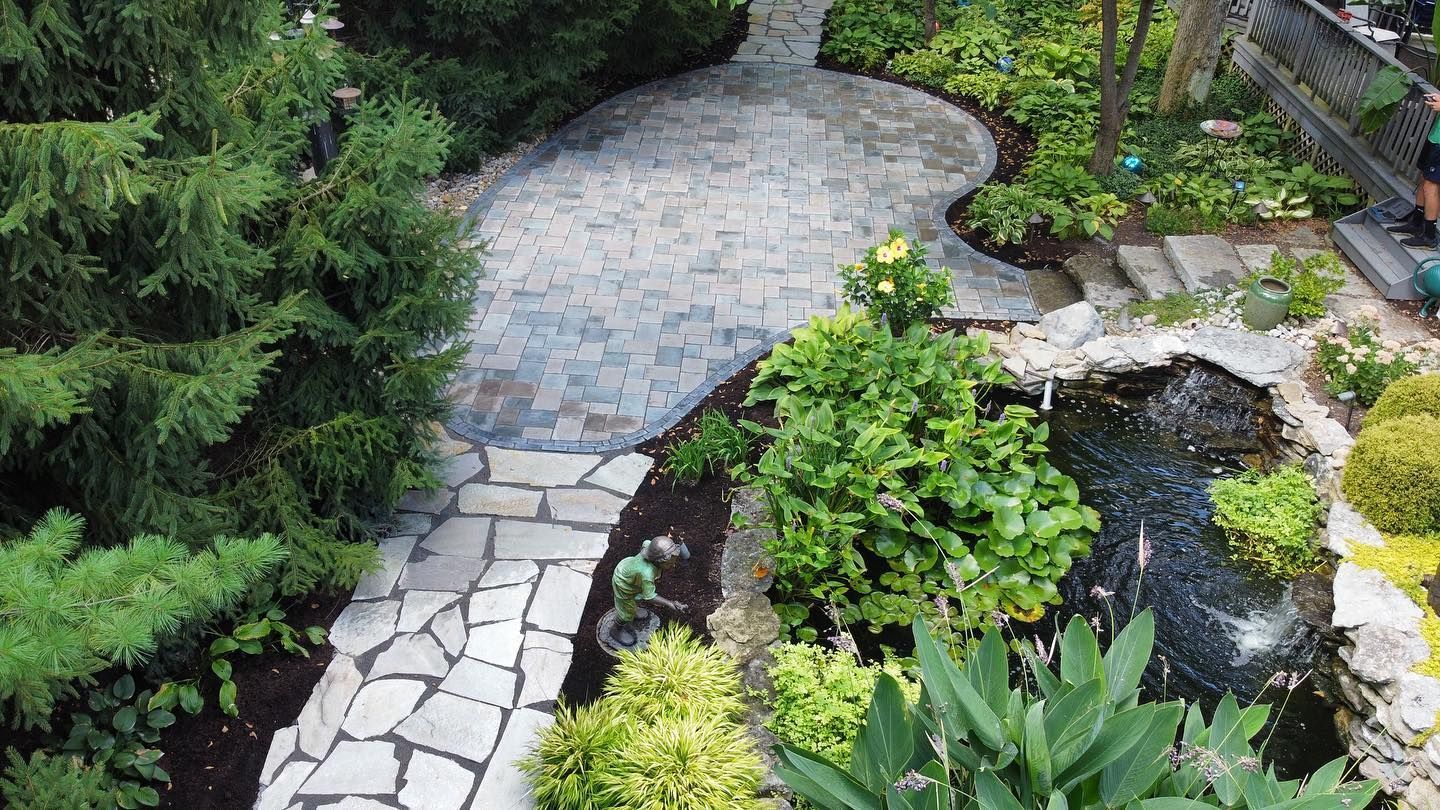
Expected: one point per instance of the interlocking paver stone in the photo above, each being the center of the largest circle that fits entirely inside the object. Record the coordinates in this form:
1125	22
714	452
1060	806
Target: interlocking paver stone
721	201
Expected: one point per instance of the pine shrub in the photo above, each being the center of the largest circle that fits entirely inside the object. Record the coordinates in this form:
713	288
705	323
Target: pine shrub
1407	396
53	783
194	341
68	617
1393	473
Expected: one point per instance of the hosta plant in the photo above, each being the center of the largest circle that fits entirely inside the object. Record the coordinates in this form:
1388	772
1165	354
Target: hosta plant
981	738
1282	203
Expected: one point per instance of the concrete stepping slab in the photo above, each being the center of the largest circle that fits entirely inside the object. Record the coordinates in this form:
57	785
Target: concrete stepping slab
1203	262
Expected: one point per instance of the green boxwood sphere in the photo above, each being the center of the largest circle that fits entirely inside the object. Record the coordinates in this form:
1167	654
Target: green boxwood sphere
1393	474
1416	394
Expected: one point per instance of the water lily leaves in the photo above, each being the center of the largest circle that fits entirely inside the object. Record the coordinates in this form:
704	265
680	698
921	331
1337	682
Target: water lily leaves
1008	524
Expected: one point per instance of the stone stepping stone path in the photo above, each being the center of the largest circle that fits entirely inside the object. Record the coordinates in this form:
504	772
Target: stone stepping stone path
450	657
785	32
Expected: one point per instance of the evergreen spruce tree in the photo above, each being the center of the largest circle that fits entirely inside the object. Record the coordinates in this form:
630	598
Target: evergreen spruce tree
194	341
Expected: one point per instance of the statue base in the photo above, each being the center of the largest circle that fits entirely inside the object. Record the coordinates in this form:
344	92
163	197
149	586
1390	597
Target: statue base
646	623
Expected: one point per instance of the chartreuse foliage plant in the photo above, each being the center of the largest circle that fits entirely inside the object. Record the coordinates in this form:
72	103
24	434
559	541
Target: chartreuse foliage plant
889	485
667	735
68	616
980	738
820	696
1407	396
1393	472
1270	518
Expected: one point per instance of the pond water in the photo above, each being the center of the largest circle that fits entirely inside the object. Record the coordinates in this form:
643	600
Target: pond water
1146	453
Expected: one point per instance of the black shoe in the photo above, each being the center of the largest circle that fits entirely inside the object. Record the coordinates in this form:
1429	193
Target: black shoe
1424	241
1413	225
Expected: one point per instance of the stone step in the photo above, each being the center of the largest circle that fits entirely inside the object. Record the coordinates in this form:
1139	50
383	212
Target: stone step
1256	258
1203	262
1149	270
1100	281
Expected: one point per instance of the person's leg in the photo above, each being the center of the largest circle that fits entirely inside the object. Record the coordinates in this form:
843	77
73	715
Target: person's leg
1413	223
1430	191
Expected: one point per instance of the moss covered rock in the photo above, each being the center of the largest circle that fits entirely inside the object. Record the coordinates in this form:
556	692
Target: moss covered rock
1393	475
1407	396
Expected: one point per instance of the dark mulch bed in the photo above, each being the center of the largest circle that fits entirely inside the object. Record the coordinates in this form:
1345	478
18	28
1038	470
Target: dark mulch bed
214	760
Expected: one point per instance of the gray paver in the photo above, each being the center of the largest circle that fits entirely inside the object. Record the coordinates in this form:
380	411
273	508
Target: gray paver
325	710
1203	262
459	537
623	474
420	607
503	784
538	469
440	572
496	643
498	604
584	505
480	681
460	726
509	572
394	551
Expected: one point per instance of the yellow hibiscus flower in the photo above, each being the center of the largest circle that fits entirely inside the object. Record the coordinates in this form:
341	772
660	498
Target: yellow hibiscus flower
887	286
860	268
885	255
899	248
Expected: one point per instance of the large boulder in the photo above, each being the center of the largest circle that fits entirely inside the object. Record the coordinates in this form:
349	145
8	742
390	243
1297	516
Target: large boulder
744	626
1257	359
1364	596
1072	326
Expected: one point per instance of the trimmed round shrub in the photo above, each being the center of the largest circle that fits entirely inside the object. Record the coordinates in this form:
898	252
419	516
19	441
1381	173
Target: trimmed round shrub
1393	474
1407	396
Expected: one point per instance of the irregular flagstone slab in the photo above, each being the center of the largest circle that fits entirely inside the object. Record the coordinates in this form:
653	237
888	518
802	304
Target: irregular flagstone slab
356	803
559	600
394	551
583	566
436	783
537	468
499	604
361	768
497	643
623	474
449	627
455	725
545	541
585	506
363	626
429	502
1346	526
459	537
411	523
278	795
421	606
544	662
489	499
1260	360
323	713
415	654
282	745
504	785
380	705
1365	596
456	470
480	681
440	572
509	572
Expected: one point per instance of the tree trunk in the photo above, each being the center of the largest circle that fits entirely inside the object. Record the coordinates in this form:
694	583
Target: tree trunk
1194	55
1115	89
930	21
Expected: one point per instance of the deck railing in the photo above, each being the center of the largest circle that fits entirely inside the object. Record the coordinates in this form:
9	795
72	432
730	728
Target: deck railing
1239	9
1327	66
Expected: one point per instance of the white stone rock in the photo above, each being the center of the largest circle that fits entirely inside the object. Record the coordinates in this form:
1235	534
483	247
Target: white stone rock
440	572
420	606
1256	359
1024	330
456	470
355	768
585	506
1014	366
449	627
1039	355
414	654
394	552
1346	526
544	541
363	626
436	783
1072	326
455	725
459	537
325	710
539	469
282	745
545	662
380	705
1382	654
499	604
1365	596
489	499
480	681
623	474
1419	700
355	803
504	785
559	600
496	643
279	793
1330	436
509	572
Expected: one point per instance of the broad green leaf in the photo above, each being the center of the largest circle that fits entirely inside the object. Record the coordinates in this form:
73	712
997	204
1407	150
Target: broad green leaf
1327	778
123	688
1042	524
160	718
1126	659
165	697
1174	803
221	668
253	631
1073	720
226	699
124	719
1080	660
1118	734
1008	522
820	781
1382	97
1037	750
886	742
223	645
949	687
991	793
989	669
935	796
1131	775
1229	742
190	699
1253	719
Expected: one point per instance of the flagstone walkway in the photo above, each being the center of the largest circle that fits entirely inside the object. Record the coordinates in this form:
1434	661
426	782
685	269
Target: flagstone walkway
449	659
786	32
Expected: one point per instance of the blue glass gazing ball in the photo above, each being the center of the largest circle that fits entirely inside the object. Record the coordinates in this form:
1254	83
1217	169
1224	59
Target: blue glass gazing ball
1132	163
1005	64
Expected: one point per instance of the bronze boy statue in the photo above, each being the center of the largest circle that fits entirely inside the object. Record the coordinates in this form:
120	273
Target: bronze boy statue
634	580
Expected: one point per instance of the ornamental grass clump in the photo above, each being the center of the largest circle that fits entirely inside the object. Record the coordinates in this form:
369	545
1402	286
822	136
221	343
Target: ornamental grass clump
1393	474
666	736
1270	518
895	285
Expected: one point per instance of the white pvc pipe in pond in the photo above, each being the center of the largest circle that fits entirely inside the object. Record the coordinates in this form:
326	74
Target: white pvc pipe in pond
1045	401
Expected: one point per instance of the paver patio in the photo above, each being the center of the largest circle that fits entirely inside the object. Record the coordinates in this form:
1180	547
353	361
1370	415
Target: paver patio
670	235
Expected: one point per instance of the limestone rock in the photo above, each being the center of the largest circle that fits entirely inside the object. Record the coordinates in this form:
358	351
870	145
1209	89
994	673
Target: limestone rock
325	710
449	627
1149	270
355	768
622	474
459	537
455	725
1071	326
509	572
538	469
480	681
1256	258
499	604
429	502
394	552
744	626
559	600
1346	526
420	607
1330	436
435	783
414	654
1100	281
1203	262
585	506
545	662
1257	359
544	541
1292	392
1364	596
441	572
1383	654
456	470
380	705
490	499
282	745
1418	701
497	643
504	785
743	558
1014	366
749	508
277	795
